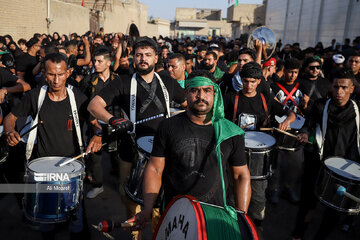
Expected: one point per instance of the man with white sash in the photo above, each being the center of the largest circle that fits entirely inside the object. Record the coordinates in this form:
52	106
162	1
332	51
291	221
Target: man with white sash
333	127
141	96
59	109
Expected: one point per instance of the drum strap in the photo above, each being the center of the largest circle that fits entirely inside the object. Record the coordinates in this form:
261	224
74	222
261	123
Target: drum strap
320	133
32	134
289	95
236	103
356	108
133	91
75	115
265	108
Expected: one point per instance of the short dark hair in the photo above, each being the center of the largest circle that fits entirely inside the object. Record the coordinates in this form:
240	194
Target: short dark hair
70	44
21	41
102	51
251	70
292	63
354	54
146	42
201	48
202	73
311	60
249	52
212	53
179	56
189	56
344	73
56	58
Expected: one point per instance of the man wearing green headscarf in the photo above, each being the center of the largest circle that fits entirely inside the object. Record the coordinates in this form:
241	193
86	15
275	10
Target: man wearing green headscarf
188	149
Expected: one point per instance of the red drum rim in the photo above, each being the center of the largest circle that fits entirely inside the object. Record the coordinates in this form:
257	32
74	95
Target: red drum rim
198	213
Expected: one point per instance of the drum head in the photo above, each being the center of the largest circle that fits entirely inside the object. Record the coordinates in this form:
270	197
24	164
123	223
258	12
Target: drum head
50	165
344	167
188	218
145	143
258	140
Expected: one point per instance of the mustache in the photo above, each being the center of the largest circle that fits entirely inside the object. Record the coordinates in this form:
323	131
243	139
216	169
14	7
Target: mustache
143	62
201	100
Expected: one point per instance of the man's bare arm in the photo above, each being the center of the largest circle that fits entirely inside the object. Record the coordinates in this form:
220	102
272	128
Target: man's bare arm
97	108
242	188
152	184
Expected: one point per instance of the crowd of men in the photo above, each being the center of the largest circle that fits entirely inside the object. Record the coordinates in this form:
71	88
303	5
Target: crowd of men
105	83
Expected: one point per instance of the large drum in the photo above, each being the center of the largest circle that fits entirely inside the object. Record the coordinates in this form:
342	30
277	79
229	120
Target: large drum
187	218
134	186
285	142
336	172
258	147
58	189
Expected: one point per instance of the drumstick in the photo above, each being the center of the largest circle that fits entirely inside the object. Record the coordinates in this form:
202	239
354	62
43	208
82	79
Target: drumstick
72	159
342	191
77	157
289	134
176	112
149	118
269	129
247	125
32	128
145	120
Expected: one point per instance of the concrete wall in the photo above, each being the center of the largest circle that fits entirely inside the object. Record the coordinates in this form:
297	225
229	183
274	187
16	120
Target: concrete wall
64	15
22	18
308	21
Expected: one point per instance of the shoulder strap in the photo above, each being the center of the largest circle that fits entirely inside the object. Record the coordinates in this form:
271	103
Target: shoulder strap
75	115
33	134
265	105
166	95
320	134
236	103
356	108
133	90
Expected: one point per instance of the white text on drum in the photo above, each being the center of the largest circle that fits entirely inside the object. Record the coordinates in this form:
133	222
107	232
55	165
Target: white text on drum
177	225
49	177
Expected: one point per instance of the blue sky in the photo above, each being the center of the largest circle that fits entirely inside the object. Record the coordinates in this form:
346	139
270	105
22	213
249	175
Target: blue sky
166	8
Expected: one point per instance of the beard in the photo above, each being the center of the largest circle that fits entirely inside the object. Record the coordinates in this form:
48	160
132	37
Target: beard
143	71
208	67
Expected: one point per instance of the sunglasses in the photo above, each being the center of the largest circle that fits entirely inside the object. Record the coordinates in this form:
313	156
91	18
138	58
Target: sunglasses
313	67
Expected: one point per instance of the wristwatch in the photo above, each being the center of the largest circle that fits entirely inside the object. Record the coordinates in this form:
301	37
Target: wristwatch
98	133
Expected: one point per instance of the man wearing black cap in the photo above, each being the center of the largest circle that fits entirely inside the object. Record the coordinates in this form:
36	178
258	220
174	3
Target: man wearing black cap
251	110
142	95
314	86
25	63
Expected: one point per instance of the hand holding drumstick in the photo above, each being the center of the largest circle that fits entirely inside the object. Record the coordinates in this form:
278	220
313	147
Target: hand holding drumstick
302	138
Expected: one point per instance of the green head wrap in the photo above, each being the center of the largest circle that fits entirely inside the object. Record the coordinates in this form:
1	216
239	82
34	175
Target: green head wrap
224	129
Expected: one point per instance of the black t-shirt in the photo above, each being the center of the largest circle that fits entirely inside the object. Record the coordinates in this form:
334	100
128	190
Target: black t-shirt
315	89
93	86
118	92
191	165
298	95
7	78
341	137
26	63
57	135
251	110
